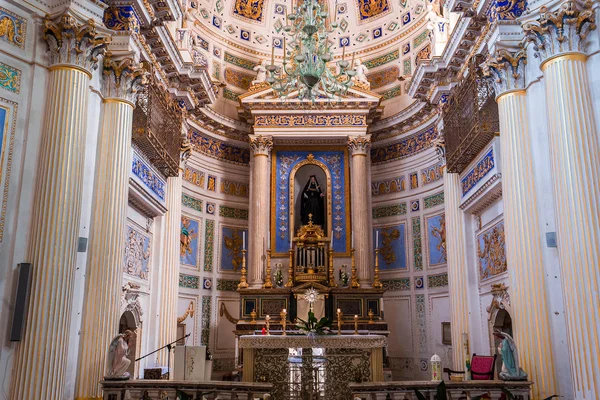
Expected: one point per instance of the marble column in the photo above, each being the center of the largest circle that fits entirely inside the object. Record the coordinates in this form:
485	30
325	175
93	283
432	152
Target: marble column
41	357
457	268
559	38
100	323
362	218
524	246
259	208
167	326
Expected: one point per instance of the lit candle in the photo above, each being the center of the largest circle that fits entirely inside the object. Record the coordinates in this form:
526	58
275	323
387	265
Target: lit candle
339	311
284	311
356	324
243	240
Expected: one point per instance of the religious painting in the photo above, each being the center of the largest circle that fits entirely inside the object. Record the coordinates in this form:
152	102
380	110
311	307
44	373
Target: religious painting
249	9
372	8
391	241
188	240
491	251
137	253
436	236
232	239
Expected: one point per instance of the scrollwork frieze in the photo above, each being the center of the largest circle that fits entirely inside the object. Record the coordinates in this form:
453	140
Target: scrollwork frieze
122	77
561	31
71	42
261	145
506	69
359	144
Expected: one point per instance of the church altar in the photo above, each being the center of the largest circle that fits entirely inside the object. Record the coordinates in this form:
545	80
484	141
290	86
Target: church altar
312	367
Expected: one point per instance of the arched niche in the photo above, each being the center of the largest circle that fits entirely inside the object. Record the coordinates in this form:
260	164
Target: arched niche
499	317
299	175
131	319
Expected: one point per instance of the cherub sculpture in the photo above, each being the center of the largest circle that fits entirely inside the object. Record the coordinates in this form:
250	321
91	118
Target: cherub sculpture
117	361
361	73
261	72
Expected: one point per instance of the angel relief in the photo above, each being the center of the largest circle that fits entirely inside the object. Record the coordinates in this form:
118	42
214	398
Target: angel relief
186	237
251	9
233	244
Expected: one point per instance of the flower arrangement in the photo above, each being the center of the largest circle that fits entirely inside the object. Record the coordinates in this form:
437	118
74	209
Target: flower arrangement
343	276
313	327
278	276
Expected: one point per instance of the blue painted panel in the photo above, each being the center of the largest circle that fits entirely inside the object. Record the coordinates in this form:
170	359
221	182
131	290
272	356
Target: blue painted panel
189	241
231	248
436	234
392	246
335	163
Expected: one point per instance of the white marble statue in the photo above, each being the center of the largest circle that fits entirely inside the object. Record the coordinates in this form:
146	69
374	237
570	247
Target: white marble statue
117	361
361	72
261	73
438	29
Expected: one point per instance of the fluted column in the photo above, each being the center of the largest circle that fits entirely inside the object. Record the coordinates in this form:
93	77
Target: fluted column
524	251
457	268
41	358
100	323
259	207
167	326
559	39
362	218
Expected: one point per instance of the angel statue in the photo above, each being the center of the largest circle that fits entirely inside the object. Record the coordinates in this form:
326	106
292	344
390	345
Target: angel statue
361	73
261	73
510	358
117	362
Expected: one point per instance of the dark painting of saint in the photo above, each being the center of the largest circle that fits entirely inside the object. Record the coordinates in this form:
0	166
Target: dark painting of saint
312	202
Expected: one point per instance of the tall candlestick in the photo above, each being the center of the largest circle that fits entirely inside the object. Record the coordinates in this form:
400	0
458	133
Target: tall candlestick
352	63
268	324
356	324
283	316
339	321
343	52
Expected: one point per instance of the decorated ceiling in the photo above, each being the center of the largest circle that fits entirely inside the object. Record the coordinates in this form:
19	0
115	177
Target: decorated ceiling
389	36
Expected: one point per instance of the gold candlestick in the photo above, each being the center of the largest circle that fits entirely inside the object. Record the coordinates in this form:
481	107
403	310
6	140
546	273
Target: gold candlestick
268	284
268	324
290	282
331	275
339	321
253	316
371	315
356	324
243	284
283	316
354	284
376	283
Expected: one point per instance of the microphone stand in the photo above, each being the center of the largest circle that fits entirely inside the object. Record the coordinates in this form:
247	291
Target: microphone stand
169	347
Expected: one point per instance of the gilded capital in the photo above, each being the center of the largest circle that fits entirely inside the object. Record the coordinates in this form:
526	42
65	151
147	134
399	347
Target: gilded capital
122	78
359	144
71	42
506	69
561	31
261	144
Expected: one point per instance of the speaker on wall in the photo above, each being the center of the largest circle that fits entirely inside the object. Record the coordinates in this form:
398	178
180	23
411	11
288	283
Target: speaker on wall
18	320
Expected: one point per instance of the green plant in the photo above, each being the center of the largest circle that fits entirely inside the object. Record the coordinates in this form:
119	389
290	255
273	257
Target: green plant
441	394
314	326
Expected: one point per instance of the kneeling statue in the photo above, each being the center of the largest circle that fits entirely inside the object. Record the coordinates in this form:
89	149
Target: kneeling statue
117	362
510	358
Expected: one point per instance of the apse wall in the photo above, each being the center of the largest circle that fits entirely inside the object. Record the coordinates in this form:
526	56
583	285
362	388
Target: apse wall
408	212
214	217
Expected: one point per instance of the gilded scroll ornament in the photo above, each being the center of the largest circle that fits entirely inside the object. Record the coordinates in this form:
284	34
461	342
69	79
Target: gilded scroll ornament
71	42
251	9
372	8
563	30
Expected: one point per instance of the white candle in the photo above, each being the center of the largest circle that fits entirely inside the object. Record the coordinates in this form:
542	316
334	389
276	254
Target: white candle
376	239
332	238
290	243
243	240
352	239
268	240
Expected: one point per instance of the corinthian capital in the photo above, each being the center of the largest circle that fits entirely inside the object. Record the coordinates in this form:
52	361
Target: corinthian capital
506	69
359	144
71	42
122	78
261	144
561	31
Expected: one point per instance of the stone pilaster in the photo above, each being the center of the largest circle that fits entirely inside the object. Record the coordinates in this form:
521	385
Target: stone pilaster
261	147
559	38
524	251
121	79
41	358
457	268
362	218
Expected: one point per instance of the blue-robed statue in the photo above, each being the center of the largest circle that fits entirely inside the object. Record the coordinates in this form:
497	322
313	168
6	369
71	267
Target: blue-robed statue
510	358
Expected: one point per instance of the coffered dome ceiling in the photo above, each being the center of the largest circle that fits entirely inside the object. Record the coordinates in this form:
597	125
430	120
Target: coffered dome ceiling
390	36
